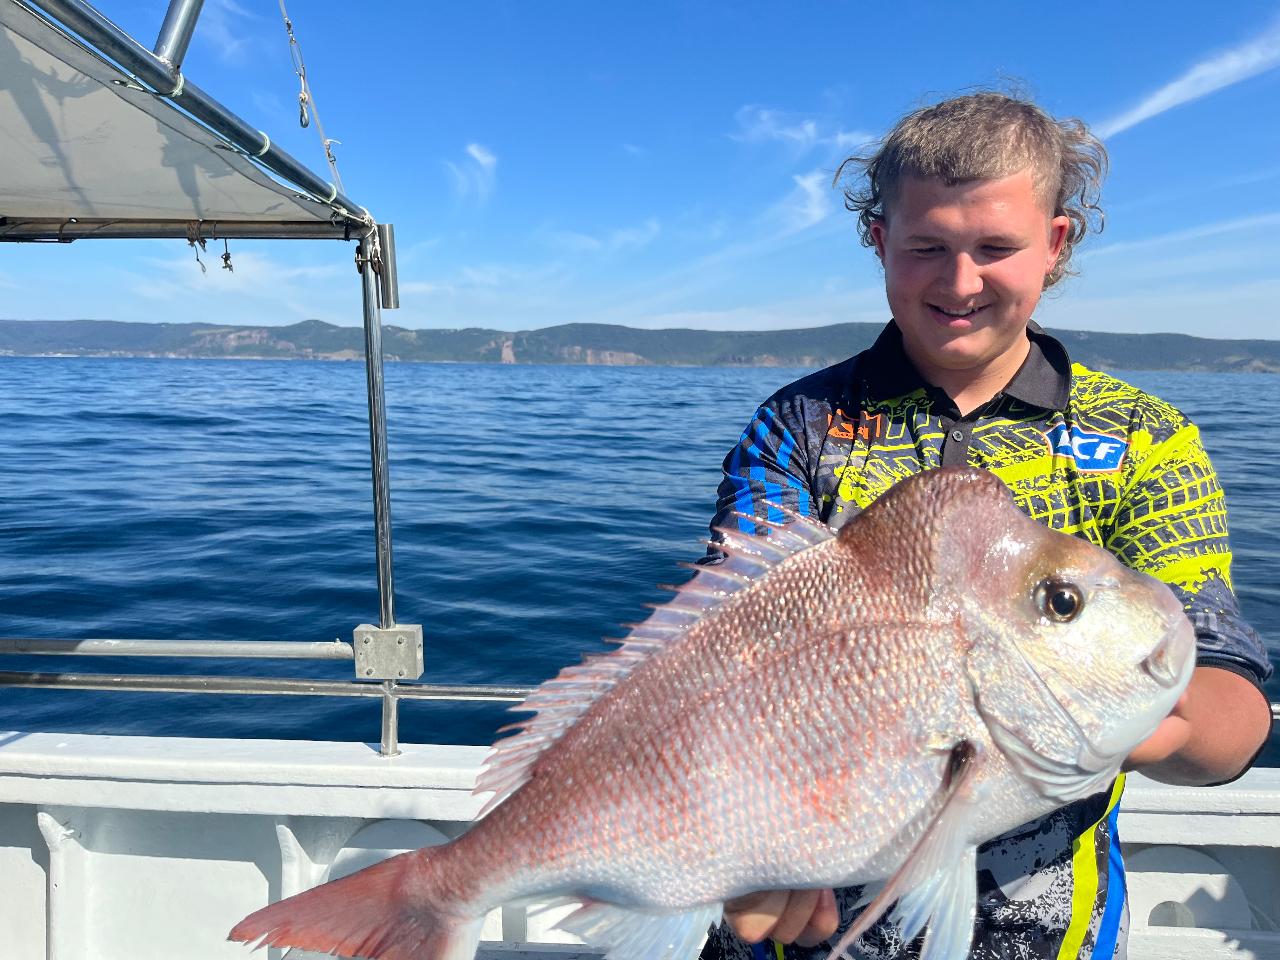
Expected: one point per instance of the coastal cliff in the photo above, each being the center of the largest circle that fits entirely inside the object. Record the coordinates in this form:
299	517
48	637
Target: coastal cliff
585	343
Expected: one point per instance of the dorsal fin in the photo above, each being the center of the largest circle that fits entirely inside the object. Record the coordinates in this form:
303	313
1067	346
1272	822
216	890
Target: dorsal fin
558	703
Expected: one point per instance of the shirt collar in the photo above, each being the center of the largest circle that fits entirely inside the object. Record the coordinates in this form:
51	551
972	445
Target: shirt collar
1043	380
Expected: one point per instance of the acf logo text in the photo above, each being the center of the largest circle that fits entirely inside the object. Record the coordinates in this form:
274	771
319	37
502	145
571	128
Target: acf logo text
1092	452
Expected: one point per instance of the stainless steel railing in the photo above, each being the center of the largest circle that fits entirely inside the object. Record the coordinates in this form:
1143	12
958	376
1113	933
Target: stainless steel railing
227	650
240	650
295	686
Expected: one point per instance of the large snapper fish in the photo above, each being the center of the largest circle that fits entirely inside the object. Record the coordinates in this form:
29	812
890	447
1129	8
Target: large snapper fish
819	710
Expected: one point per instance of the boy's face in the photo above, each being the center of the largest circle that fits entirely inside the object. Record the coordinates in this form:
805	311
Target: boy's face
964	267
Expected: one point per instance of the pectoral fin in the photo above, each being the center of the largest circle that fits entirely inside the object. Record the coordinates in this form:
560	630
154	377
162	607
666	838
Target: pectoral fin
949	902
937	883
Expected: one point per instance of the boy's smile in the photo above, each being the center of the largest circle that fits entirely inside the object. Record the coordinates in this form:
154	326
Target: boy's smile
964	269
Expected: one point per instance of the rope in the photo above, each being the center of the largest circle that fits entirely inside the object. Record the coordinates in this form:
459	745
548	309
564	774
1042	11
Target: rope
196	242
307	101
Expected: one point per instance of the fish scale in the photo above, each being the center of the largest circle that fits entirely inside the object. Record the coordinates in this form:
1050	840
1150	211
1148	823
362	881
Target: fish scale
821	710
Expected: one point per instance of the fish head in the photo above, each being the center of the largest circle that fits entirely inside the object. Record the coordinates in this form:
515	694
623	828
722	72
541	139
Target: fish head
1073	657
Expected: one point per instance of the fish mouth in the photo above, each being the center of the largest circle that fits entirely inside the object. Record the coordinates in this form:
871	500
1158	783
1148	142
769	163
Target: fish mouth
1167	663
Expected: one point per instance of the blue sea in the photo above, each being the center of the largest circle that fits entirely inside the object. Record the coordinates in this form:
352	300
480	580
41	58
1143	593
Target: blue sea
535	509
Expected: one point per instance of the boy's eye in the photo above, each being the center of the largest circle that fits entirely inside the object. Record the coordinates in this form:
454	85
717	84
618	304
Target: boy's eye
998	251
921	251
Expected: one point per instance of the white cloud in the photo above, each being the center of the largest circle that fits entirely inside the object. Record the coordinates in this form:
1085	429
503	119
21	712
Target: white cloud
1210	280
475	176
781	228
259	289
503	296
484	277
1249	59
622	239
810	203
482	156
758	124
1240	311
221	27
271	106
807	204
424	287
863	305
1199	232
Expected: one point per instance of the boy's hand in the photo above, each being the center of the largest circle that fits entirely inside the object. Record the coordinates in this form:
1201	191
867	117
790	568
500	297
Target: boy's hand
806	917
1215	729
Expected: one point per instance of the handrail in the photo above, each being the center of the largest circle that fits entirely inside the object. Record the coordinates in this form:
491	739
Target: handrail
229	649
336	650
295	686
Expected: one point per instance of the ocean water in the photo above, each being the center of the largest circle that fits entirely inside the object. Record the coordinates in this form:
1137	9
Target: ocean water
535	510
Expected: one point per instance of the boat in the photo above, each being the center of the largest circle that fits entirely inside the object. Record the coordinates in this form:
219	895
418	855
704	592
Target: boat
149	847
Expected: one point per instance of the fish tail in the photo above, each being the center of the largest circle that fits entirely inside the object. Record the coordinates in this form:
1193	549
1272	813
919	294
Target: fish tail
384	912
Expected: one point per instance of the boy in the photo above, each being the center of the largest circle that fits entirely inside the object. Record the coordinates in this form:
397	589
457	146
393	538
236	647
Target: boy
973	207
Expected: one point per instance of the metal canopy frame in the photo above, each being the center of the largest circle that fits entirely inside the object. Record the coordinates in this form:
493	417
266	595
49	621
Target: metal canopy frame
385	652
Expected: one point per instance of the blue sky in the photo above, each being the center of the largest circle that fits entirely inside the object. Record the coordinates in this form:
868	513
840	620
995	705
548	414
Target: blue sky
669	164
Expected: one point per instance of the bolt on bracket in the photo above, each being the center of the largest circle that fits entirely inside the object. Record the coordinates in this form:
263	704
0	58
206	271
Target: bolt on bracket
394	653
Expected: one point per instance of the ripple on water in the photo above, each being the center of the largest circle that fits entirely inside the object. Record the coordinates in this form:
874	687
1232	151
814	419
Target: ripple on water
535	509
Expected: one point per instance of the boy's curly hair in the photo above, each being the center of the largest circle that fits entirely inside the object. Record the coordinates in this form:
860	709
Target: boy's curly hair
984	136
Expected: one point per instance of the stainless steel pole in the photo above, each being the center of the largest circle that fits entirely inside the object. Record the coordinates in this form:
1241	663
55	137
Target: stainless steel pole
175	34
367	254
390	720
12	229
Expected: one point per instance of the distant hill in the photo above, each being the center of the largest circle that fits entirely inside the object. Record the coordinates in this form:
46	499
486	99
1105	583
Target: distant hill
591	343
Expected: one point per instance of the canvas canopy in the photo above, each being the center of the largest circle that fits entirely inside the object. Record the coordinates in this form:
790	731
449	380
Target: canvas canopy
85	151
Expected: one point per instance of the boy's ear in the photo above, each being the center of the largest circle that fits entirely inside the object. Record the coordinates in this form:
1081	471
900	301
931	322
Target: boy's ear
1058	229
878	229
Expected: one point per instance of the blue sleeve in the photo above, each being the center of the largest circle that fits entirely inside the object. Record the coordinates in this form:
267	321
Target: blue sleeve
765	470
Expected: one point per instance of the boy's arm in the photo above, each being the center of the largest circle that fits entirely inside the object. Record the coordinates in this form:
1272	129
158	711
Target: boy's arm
1172	524
1213	734
765	470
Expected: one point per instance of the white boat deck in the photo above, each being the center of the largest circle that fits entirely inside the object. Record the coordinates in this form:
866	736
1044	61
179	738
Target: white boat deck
114	847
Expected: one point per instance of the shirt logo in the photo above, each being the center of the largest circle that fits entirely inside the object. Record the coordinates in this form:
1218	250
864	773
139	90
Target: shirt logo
1092	452
869	428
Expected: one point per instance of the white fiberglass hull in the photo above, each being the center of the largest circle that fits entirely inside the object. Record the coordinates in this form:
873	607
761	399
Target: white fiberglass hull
147	848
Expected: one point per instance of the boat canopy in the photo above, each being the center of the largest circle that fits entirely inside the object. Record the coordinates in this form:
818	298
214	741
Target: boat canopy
88	150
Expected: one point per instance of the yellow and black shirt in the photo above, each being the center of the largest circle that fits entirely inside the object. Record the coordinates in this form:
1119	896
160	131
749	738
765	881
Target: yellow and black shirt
1082	452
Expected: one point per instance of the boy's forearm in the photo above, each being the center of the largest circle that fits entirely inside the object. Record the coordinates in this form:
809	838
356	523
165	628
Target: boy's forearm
1219	727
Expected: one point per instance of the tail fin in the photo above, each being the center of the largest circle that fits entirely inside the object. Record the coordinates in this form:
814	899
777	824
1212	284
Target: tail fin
380	912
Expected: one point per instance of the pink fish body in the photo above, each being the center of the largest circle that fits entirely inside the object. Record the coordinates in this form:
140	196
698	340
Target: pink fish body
820	710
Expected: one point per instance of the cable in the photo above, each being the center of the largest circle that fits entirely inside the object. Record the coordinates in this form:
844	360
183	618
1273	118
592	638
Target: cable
307	101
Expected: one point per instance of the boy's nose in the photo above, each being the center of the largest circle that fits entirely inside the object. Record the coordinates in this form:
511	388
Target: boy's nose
964	279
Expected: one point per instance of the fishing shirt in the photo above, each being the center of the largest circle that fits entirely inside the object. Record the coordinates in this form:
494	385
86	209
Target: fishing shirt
1082	452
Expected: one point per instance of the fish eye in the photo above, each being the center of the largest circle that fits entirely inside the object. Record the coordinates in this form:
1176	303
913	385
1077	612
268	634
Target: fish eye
1059	600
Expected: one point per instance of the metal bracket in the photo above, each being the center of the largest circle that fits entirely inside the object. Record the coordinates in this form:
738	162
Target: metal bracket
391	654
